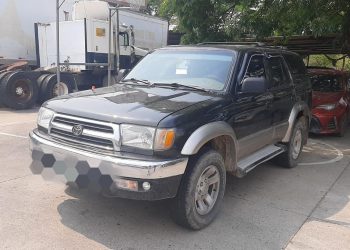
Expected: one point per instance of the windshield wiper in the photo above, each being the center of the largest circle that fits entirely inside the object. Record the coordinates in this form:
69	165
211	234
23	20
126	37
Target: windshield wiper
178	85
134	80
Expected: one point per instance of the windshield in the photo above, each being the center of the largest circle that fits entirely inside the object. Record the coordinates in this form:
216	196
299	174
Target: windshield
326	83
203	69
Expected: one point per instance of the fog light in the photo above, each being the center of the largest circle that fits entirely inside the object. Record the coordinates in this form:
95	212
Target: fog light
146	186
127	184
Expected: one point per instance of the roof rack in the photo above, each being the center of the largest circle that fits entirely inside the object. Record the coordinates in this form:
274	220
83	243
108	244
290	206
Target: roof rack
233	43
257	44
318	67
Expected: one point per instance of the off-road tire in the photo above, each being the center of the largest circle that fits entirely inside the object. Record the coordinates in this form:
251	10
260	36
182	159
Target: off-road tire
183	208
287	159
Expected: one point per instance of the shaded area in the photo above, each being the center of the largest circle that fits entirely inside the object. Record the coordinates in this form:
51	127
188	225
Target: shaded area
310	45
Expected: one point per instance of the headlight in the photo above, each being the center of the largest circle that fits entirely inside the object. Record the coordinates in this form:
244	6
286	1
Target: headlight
147	137
44	117
327	106
137	136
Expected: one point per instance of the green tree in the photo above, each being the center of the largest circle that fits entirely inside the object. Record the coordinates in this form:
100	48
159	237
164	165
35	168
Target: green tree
323	61
229	20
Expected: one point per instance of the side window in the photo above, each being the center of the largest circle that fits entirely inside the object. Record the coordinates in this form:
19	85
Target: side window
295	64
256	67
278	72
123	39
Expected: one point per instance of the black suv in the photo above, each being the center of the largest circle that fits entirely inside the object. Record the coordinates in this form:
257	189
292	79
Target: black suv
177	123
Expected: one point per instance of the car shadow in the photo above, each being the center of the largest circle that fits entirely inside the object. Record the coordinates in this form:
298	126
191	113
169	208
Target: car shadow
33	110
266	208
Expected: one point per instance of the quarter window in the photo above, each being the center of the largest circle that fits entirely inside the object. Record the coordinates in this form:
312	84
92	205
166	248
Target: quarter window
278	71
295	64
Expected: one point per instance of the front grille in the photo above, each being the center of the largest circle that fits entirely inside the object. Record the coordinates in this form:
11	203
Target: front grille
88	125
96	134
332	124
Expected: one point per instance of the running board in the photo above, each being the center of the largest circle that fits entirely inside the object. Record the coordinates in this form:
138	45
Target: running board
250	162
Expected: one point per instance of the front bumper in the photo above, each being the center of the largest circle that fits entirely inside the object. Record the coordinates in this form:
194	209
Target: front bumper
102	172
325	124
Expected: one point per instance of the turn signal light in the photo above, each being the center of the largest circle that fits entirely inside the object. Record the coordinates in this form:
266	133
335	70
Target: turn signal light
127	184
164	139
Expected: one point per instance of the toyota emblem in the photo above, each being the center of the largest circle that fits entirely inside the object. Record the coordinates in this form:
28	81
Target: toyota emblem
77	130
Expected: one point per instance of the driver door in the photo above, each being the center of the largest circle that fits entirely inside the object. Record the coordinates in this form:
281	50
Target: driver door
252	124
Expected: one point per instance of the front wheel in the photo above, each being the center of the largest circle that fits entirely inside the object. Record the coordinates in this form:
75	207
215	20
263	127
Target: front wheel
289	158
201	192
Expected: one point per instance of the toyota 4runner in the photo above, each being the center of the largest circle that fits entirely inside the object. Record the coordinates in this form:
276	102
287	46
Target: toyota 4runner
176	124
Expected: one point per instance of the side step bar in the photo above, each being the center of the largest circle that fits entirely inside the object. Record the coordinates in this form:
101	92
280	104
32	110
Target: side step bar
250	162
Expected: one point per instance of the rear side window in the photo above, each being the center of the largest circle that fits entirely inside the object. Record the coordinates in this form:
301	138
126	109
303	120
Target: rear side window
278	72
295	64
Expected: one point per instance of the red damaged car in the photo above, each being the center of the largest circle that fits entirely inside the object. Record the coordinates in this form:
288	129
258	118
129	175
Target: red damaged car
330	101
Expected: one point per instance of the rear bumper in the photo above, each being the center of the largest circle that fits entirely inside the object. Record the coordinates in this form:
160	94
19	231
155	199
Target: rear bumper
104	173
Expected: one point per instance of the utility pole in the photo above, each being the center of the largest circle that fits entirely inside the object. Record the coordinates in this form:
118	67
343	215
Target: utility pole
109	47
58	40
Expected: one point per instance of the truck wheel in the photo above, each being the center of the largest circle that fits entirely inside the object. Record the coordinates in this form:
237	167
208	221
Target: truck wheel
201	192
2	76
40	81
50	88
18	91
289	159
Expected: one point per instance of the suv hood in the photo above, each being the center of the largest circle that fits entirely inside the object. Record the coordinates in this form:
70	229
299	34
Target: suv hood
127	104
319	98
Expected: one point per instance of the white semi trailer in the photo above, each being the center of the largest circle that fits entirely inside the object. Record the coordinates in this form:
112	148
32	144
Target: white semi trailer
17	18
84	33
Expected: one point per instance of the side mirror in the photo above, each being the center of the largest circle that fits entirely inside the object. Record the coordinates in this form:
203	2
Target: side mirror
256	85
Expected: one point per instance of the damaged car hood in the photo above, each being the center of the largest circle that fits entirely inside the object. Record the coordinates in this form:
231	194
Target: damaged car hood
127	103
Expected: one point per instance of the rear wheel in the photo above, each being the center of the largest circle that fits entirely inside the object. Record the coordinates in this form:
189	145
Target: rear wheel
201	192
50	88
18	91
40	81
289	158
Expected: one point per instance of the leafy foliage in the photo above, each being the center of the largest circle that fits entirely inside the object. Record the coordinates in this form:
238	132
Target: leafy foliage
229	20
323	61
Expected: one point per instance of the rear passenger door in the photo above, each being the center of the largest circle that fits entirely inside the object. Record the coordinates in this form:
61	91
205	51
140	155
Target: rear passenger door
300	78
283	94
